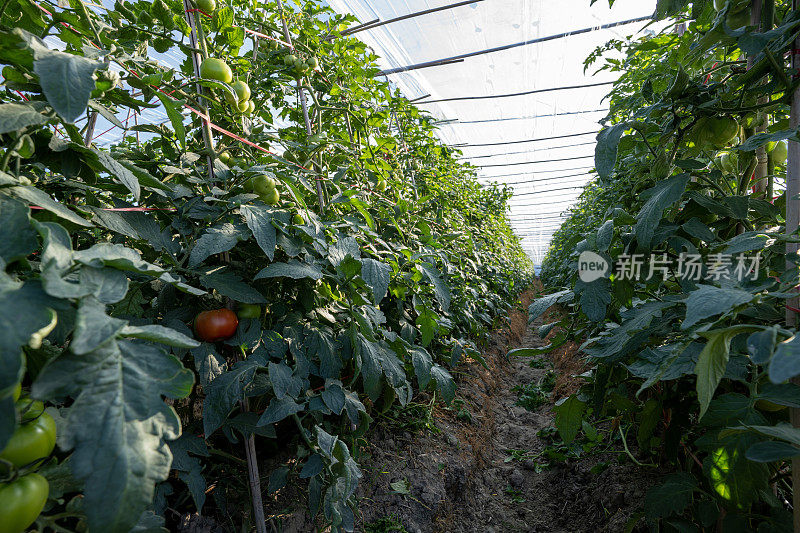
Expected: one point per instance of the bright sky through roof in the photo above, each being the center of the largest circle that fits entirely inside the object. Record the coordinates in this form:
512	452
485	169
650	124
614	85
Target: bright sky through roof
546	175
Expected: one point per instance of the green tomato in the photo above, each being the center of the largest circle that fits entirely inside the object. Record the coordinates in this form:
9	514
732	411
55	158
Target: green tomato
714	132
31	441
289	60
313	62
216	69
298	220
225	157
242	91
261	184
381	185
780	152
271	197
243	106
21	501
207	6
251	107
249	311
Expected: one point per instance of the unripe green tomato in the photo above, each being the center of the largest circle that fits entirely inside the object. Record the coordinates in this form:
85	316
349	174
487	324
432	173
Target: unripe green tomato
260	185
780	153
241	89
381	185
313	62
298	220
225	157
207	6
249	311
243	106
31	441
21	502
251	107
289	60
216	69
271	197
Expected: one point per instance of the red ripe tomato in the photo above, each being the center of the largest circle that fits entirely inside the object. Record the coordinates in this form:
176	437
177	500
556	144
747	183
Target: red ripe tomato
216	325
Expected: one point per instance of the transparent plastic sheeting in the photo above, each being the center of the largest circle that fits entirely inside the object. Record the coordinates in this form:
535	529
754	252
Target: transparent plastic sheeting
557	63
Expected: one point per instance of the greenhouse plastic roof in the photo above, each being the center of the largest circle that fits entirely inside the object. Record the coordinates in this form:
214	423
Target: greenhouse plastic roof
542	190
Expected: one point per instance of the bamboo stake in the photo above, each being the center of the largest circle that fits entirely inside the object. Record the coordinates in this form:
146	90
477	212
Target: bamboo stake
759	181
197	37
254	478
302	97
792	223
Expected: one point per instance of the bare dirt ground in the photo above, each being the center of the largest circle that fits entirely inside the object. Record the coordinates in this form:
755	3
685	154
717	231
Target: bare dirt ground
460	478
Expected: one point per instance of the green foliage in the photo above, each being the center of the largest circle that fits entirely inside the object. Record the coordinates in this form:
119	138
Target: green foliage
688	361
110	253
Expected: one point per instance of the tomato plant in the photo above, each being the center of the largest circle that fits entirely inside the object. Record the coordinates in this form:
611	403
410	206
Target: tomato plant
691	366
117	249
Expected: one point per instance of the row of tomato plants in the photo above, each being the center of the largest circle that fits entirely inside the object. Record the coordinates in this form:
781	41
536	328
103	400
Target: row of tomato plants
311	254
694	367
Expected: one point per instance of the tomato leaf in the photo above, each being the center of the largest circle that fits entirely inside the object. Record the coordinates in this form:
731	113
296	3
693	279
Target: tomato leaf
118	424
569	414
259	220
66	79
15	117
293	269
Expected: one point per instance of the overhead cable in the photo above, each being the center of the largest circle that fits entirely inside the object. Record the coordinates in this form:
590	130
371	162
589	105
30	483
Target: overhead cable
526	151
530	140
530	117
524	93
437	62
533	162
377	23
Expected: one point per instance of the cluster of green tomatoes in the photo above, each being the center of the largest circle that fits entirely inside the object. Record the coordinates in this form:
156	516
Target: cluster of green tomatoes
23	493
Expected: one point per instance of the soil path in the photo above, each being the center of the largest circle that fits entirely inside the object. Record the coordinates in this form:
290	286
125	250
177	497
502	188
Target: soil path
462	477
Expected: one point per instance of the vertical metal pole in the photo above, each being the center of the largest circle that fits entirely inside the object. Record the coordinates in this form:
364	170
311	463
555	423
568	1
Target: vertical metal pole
302	97
198	42
792	223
